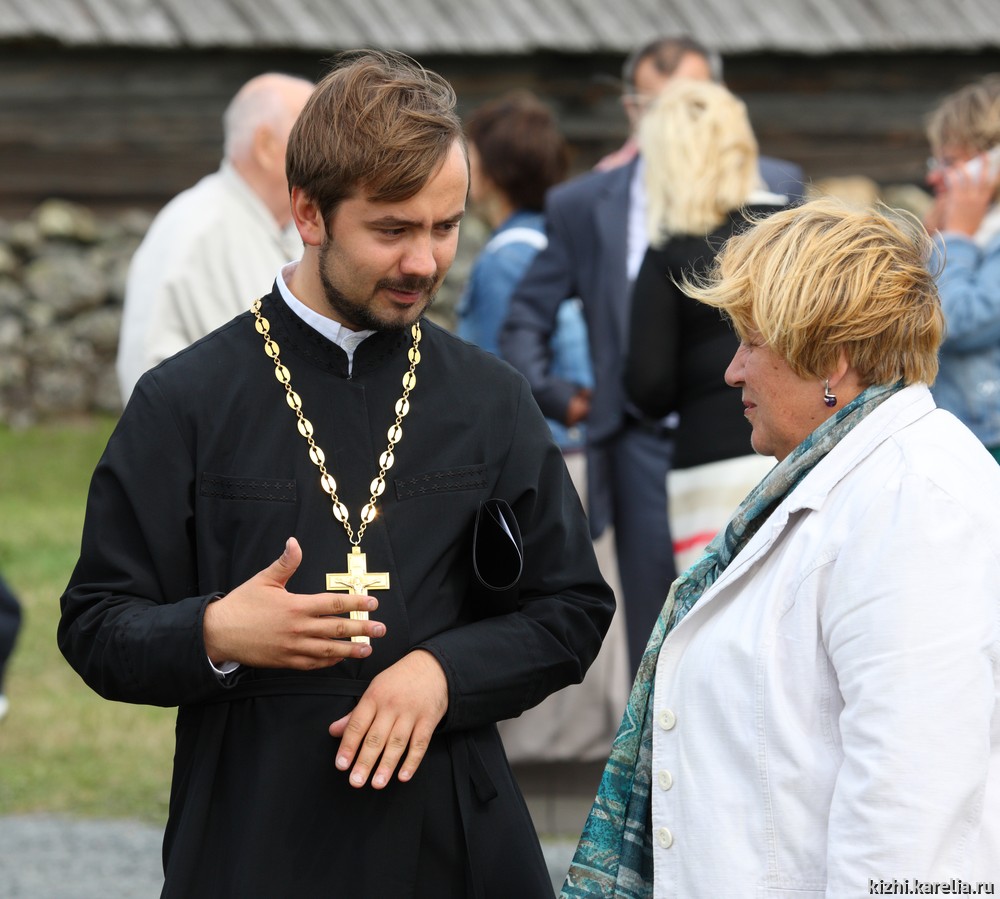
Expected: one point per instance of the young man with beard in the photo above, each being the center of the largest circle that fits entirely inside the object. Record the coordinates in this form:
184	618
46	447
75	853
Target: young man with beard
321	754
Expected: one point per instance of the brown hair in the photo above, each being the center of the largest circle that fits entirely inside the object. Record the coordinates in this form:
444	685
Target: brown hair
824	277
666	54
520	147
378	122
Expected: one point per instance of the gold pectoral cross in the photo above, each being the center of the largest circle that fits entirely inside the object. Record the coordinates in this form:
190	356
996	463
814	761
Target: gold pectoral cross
359	580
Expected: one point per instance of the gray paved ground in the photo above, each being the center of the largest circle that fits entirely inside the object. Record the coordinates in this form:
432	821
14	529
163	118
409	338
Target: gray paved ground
51	857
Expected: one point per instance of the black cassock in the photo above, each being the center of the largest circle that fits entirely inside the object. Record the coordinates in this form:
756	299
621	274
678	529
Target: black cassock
202	482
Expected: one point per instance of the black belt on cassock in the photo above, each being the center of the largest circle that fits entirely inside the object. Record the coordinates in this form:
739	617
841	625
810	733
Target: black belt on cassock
467	763
294	684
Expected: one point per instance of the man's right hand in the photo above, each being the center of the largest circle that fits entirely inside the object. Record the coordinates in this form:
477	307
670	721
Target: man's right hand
578	408
263	625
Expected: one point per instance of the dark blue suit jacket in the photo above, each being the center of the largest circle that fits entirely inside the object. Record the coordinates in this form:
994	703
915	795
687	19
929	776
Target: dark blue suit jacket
783	177
586	220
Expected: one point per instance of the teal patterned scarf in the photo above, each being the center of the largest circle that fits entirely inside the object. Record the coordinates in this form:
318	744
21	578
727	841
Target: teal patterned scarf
614	858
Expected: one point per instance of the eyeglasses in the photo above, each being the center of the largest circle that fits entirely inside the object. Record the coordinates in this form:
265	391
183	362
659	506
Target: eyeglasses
940	165
948	160
641	102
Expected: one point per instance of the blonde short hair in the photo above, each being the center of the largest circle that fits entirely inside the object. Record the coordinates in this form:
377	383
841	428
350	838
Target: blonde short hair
968	118
824	277
700	158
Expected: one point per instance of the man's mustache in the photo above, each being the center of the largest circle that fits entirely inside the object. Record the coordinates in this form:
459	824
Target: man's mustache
408	285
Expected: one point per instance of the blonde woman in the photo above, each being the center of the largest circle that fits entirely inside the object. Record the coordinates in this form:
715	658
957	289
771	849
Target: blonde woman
817	712
702	184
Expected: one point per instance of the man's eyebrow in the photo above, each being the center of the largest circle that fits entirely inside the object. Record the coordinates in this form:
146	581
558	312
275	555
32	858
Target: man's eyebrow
395	221
391	221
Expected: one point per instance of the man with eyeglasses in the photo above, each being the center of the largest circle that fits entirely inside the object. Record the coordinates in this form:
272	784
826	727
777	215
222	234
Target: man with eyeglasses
645	73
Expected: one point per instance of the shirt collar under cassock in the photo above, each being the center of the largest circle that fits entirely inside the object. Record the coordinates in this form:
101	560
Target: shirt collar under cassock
345	338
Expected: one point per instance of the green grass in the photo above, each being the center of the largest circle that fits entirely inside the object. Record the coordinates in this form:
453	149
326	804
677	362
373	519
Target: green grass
63	749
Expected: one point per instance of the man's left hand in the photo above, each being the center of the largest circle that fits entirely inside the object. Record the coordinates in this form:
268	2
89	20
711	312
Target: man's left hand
397	713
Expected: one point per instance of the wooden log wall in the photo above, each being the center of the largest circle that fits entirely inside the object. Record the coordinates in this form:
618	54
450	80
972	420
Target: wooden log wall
120	127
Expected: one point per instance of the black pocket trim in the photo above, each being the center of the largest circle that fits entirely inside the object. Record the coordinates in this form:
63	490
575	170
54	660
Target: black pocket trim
252	489
472	477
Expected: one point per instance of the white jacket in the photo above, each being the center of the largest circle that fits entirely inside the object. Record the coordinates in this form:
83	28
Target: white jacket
827	715
209	253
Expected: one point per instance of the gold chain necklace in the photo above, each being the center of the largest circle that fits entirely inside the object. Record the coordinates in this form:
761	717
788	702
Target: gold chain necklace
357	578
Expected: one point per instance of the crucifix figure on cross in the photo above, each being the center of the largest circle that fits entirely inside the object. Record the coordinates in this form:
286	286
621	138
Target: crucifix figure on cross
358	580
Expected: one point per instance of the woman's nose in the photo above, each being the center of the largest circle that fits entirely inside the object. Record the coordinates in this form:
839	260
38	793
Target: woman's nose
734	371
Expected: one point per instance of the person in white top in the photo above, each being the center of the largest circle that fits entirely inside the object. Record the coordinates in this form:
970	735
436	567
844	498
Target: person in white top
818	709
215	248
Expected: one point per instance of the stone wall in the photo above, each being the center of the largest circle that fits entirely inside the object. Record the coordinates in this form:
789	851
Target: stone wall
62	285
62	282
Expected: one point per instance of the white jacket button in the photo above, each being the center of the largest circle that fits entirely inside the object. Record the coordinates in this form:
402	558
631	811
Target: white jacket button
665	838
667	719
666	779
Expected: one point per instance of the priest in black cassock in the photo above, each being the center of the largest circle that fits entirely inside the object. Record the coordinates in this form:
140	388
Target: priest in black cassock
279	540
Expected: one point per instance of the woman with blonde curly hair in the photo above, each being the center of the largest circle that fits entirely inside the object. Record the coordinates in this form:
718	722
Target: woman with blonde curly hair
818	710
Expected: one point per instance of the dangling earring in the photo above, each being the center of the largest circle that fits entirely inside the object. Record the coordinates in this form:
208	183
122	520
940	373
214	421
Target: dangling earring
829	398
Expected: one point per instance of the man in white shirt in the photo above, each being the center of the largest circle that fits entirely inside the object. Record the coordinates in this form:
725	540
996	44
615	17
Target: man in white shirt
214	248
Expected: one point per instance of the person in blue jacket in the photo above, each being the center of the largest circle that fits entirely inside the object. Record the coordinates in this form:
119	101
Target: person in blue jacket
516	153
964	134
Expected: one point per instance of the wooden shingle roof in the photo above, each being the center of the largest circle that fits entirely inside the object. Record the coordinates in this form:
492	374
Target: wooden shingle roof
508	26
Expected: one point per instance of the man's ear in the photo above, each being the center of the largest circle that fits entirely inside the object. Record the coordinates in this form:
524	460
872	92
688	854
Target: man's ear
268	151
307	217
